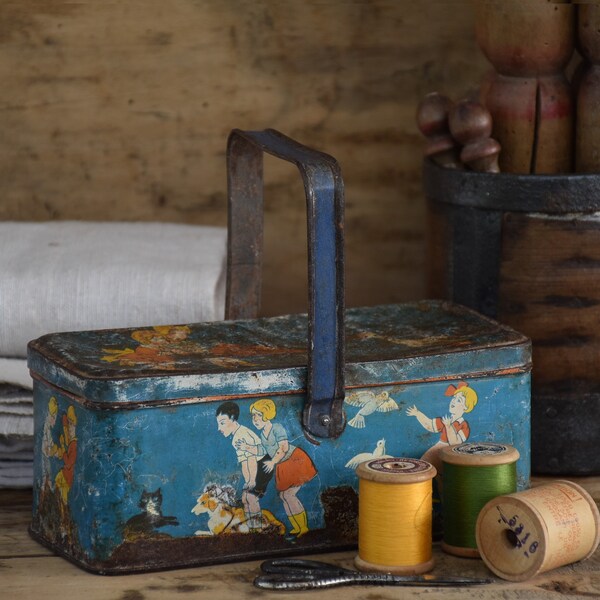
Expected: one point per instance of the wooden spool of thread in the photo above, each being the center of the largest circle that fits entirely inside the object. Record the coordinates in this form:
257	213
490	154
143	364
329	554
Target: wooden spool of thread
523	534
474	473
395	516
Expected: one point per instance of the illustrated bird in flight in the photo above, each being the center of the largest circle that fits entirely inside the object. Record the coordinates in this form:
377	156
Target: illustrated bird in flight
369	402
379	452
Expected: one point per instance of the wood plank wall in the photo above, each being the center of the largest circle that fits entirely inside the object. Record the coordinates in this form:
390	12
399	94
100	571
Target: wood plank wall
121	110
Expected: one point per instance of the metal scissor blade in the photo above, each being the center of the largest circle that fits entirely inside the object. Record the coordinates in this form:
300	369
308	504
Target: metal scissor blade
295	582
438	581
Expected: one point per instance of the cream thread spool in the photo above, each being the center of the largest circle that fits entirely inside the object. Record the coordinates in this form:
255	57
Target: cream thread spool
521	535
473	474
395	516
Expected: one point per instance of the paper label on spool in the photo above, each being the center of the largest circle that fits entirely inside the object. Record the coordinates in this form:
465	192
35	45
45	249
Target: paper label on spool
406	466
567	516
523	534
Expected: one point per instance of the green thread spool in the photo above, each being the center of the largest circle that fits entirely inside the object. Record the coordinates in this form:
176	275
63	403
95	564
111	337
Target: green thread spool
473	474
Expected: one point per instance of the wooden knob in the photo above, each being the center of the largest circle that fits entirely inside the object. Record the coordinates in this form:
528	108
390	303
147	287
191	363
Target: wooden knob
469	121
471	125
432	121
432	114
482	155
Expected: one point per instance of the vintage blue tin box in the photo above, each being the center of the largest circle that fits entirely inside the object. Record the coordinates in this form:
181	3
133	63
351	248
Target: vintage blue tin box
183	445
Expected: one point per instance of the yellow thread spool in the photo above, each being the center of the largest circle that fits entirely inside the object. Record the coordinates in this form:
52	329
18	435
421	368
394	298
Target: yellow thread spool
523	534
394	516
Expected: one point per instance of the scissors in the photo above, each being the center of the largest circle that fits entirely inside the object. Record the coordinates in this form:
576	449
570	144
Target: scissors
298	574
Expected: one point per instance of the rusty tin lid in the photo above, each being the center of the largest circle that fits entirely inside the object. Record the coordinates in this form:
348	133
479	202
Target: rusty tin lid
385	345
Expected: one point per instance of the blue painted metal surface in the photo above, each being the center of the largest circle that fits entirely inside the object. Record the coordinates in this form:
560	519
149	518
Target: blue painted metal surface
324	191
137	467
179	445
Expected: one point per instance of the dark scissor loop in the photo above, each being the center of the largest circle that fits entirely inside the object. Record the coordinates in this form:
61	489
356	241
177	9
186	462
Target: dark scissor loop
298	574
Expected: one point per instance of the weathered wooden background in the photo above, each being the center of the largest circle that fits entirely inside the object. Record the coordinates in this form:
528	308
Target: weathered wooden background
121	110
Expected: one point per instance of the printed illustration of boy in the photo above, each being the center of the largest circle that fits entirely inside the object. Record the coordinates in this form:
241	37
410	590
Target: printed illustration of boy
228	414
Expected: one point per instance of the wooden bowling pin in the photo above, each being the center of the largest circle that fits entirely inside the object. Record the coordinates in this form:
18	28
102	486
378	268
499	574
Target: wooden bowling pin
587	128
432	121
529	43
471	126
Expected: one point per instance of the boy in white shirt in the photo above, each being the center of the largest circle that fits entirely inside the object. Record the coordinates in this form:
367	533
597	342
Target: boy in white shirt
227	423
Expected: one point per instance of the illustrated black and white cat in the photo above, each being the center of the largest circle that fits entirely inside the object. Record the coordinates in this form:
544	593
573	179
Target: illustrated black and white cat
150	519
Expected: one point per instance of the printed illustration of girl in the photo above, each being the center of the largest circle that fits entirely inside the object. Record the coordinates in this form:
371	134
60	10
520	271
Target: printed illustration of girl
292	466
67	452
453	428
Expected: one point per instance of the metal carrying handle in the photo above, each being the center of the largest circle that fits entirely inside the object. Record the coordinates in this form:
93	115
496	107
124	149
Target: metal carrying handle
323	185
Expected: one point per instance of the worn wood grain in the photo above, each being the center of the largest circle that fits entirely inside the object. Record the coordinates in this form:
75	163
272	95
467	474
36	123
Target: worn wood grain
30	571
549	291
120	110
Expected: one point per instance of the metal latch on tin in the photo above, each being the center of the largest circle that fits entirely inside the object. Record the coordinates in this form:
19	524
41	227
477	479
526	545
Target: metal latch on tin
323	185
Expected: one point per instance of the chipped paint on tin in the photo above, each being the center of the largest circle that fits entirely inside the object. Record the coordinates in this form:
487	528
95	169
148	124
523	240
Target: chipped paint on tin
122	484
408	342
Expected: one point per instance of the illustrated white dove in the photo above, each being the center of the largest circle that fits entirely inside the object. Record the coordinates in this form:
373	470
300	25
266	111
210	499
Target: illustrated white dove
379	452
369	403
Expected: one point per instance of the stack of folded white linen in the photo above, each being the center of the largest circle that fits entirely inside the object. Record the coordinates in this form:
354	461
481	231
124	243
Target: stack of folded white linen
80	275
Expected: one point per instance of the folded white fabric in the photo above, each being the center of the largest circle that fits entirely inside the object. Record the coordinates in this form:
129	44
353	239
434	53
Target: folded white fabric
16	414
18	425
15	372
16	474
77	275
16	449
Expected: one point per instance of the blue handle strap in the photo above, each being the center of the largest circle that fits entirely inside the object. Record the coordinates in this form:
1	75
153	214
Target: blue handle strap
323	185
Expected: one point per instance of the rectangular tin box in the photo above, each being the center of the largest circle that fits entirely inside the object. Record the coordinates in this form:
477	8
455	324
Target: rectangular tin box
156	447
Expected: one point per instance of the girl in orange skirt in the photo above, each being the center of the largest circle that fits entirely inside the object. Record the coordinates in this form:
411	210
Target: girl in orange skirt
293	467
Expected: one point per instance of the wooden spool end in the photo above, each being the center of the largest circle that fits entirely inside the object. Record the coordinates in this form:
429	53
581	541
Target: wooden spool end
479	454
396	470
521	535
367	567
459	551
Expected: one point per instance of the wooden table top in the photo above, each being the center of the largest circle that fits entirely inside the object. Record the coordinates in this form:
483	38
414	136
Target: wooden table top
29	571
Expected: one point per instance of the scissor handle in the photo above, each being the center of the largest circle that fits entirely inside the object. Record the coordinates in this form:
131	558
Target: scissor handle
301	574
298	581
324	189
300	565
